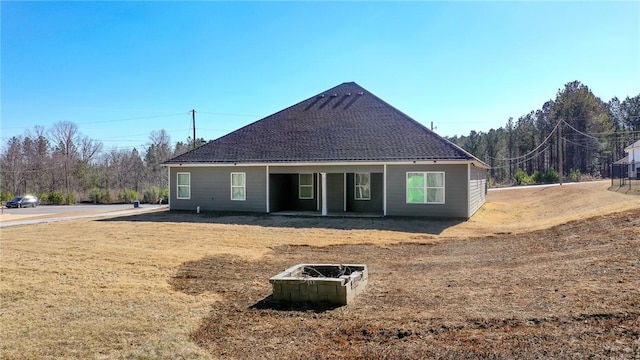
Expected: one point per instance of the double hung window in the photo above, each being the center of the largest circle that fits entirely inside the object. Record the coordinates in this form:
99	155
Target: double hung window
305	186
425	187
238	186
362	186
183	184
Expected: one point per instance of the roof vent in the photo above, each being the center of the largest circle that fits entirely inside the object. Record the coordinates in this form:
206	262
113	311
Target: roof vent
361	93
348	94
334	95
321	96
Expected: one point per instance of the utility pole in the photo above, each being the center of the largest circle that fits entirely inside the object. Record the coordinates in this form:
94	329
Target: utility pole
193	117
560	152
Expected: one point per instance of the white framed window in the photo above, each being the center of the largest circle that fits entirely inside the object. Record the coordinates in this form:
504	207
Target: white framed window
183	185
305	186
425	187
238	186
362	182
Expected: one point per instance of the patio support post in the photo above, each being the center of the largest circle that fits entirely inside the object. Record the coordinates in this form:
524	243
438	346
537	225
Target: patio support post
324	193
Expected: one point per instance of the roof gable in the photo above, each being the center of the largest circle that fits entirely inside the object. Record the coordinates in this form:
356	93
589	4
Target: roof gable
345	123
635	145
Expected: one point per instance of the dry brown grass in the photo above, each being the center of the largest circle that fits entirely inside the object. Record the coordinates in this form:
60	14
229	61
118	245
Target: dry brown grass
165	285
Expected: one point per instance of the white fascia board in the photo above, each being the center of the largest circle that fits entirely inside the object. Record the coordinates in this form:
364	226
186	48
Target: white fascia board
337	163
635	145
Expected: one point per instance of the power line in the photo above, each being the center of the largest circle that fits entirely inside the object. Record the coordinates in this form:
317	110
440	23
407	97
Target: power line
532	151
578	131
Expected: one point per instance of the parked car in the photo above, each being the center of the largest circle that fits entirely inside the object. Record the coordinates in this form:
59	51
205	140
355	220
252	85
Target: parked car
22	201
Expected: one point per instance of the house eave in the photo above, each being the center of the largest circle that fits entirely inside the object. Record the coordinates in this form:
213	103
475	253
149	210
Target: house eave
472	162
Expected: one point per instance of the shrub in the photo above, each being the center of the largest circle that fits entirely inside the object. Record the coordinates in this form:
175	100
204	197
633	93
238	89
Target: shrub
152	195
522	178
55	198
100	196
575	175
552	176
105	196
165	195
6	196
538	177
127	195
95	195
70	199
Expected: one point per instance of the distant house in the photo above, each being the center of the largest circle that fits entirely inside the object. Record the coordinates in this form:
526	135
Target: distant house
339	152
633	159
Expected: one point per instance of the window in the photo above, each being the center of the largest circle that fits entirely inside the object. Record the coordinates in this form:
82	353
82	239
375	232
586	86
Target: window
184	185
305	184
425	187
238	186
363	188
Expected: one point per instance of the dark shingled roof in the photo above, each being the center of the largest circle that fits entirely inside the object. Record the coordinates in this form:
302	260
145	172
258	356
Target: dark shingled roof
345	123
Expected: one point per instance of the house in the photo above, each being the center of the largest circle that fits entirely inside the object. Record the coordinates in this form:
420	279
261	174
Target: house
339	152
633	159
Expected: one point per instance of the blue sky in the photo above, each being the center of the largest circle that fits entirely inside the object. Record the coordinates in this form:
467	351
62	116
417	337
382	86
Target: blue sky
120	70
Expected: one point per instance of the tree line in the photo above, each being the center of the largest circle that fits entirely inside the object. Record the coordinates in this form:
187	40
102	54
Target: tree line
62	166
575	135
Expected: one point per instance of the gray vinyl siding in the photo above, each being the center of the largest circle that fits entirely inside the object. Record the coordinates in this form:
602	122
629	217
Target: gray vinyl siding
477	189
335	192
374	204
456	192
298	204
211	189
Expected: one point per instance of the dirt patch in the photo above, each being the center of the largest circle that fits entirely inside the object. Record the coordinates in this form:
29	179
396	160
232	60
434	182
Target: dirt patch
569	291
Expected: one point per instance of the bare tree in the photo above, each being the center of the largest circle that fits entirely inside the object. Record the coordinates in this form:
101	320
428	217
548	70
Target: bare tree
65	137
12	168
159	151
89	148
36	152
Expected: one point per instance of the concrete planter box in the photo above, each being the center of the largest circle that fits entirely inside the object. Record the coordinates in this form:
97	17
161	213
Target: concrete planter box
332	283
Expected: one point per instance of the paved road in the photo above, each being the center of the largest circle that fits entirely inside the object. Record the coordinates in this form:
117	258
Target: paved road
61	209
57	213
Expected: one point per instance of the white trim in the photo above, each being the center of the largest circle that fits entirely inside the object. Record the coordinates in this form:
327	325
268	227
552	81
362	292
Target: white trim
344	191
324	193
337	163
426	187
468	190
300	186
355	186
244	186
384	190
169	186
267	190
178	186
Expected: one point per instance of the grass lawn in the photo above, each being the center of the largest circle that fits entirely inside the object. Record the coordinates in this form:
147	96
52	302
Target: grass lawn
540	272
